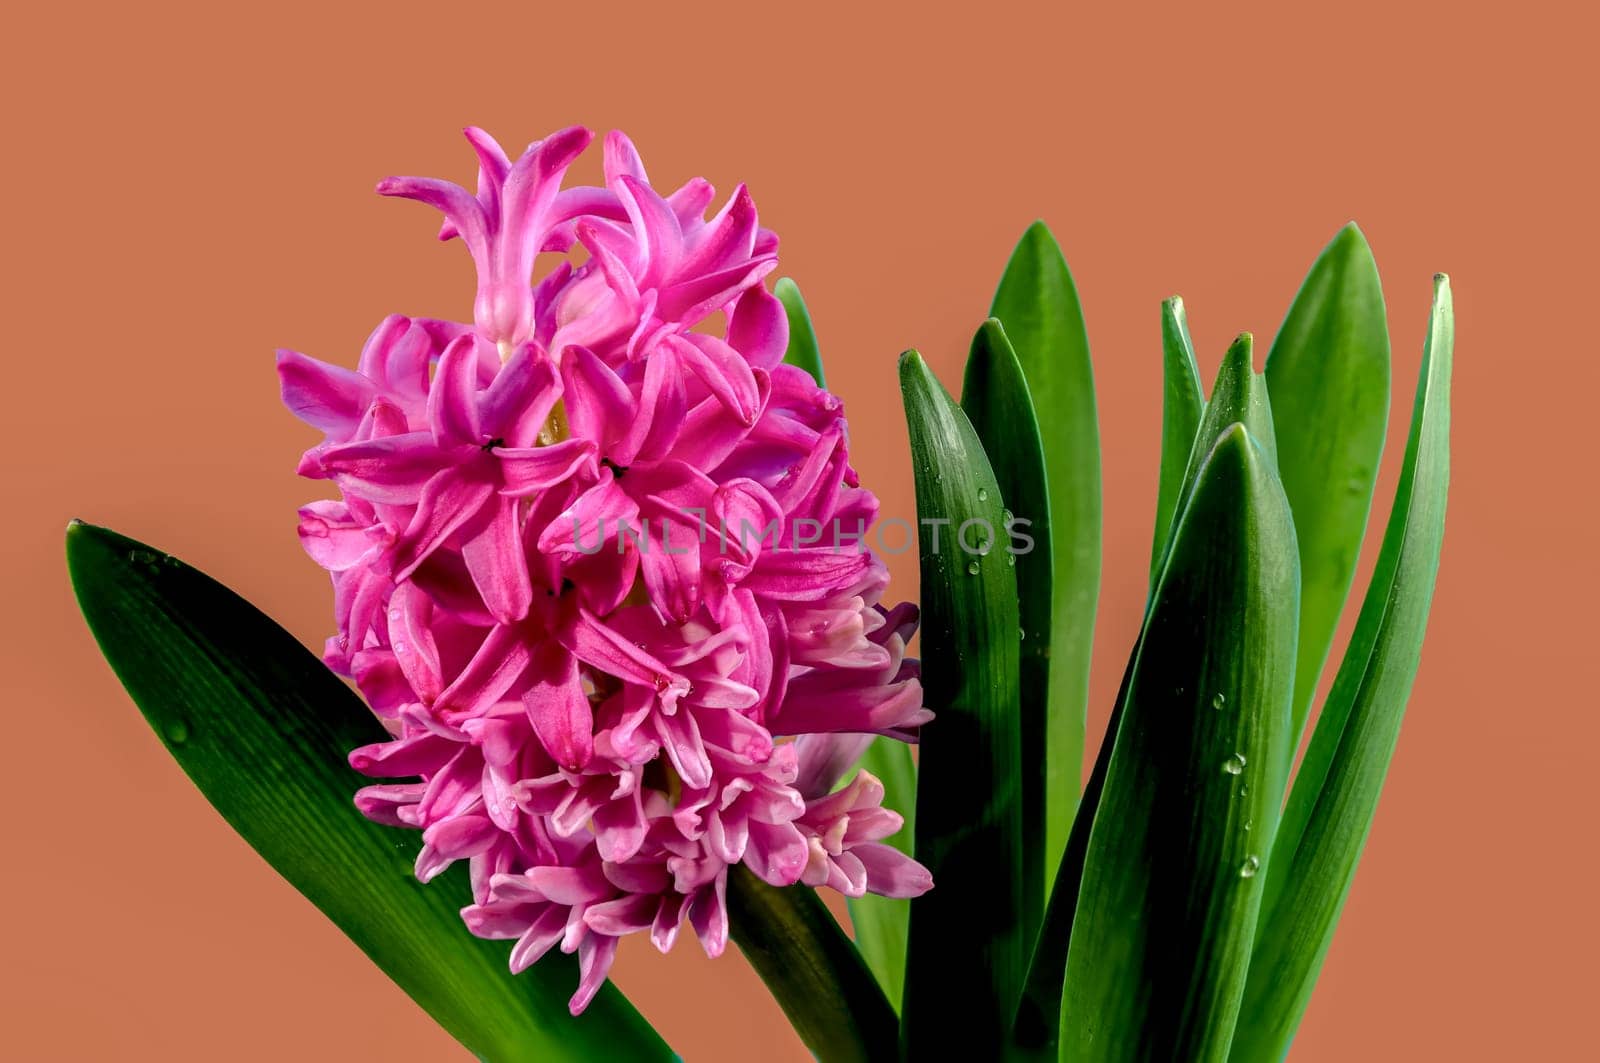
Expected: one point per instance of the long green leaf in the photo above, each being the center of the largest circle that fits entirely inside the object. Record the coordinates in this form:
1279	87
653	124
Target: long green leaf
263	728
816	975
803	351
1038	303
1329	377
994	395
880	922
965	948
1238	396
1167	906
1182	404
1336	791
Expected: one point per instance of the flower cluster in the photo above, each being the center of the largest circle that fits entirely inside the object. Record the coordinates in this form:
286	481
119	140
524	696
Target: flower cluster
599	705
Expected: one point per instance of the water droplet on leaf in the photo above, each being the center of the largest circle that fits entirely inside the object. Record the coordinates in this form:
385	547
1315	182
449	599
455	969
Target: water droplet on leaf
1251	865
1234	765
1219	700
983	494
972	568
176	730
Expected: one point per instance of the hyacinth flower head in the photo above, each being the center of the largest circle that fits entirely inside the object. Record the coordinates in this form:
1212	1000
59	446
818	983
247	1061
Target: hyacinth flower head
598	567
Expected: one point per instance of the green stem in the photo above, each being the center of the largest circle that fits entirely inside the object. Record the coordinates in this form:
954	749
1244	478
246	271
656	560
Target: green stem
812	969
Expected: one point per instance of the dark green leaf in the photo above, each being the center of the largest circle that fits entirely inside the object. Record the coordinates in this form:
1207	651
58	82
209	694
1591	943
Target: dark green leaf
1039	306
803	350
1238	396
1167	906
964	952
880	922
1336	790
263	728
1329	377
816	975
1182	403
995	397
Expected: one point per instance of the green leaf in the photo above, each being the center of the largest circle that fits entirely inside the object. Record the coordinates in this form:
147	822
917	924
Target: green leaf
1038	303
803	350
816	975
1238	396
995	397
1329	377
1167	906
880	922
262	727
964	952
1182	404
1336	791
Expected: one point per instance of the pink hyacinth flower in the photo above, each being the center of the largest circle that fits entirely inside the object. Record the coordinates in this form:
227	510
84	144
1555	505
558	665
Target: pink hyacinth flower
598	568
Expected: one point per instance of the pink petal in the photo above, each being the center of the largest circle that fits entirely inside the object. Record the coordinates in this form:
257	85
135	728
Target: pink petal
655	226
541	935
499	567
708	914
392	469
449	500
759	328
599	405
595	956
625	915
324	396
453	402
526	471
499	663
723	370
559	709
519	400
891	873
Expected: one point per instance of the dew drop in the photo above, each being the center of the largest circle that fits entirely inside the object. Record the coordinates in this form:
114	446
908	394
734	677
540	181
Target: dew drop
1007	517
1247	825
177	730
394	616
972	568
1011	560
399	647
984	547
983	494
1219	700
1021	634
1234	765
1251	865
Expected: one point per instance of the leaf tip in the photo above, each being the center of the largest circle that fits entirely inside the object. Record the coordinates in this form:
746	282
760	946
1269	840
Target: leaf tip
1038	230
912	367
1242	350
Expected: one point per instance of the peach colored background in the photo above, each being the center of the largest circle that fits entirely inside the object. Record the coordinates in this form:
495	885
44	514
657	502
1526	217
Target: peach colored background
190	186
